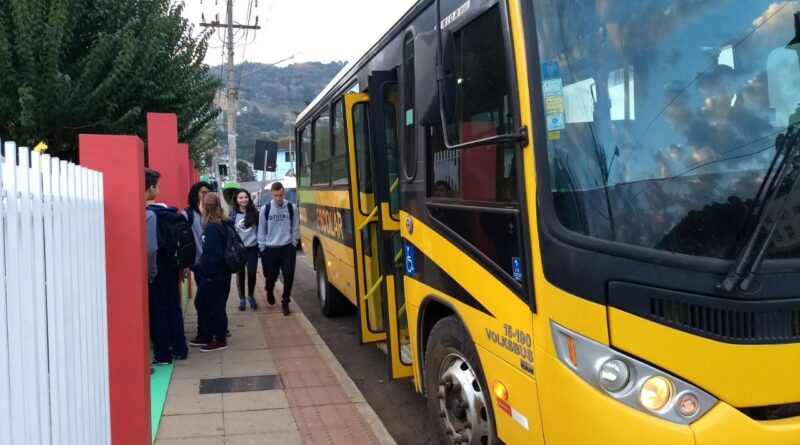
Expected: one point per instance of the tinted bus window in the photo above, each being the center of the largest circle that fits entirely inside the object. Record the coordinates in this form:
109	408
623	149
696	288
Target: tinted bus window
409	139
305	157
339	162
321	168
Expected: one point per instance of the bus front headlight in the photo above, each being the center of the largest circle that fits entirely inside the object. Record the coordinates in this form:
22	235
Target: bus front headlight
631	381
656	392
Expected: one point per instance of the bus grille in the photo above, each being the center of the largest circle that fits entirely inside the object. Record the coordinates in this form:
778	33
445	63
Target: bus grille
738	322
773	412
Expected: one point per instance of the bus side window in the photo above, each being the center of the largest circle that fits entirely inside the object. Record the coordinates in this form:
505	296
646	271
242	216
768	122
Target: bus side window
305	157
363	166
408	134
482	181
321	168
339	161
482	93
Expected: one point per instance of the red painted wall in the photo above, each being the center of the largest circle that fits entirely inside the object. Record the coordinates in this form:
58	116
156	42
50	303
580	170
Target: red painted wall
121	159
183	174
163	156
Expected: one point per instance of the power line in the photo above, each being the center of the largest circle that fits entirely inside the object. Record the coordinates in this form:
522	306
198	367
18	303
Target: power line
231	94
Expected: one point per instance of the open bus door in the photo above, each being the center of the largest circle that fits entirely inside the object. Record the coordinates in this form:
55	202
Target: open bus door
369	300
384	146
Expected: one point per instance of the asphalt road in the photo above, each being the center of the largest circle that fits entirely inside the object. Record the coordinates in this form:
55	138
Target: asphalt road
402	410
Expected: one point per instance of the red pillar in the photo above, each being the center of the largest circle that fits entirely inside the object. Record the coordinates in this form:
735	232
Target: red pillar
163	156
121	160
193	175
183	173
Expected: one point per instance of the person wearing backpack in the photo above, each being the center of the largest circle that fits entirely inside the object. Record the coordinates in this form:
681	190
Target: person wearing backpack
245	219
215	274
278	234
170	238
192	215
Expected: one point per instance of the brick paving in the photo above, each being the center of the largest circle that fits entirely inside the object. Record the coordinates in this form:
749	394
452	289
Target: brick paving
316	404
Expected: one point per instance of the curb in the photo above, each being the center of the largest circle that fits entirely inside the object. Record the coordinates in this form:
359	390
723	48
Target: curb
347	383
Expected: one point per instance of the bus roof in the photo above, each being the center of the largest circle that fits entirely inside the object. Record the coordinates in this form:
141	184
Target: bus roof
351	64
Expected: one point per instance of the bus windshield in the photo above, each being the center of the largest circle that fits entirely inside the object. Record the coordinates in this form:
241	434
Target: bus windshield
661	119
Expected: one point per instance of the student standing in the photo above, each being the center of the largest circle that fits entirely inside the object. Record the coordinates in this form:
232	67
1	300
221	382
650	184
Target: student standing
245	219
166	317
192	215
278	234
214	274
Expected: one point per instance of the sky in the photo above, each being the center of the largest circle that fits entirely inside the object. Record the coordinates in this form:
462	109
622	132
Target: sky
311	30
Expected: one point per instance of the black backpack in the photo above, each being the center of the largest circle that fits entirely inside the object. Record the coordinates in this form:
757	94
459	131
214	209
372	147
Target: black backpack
235	255
269	207
176	248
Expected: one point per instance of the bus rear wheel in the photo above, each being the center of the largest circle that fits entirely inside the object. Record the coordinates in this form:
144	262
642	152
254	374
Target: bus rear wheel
327	295
455	386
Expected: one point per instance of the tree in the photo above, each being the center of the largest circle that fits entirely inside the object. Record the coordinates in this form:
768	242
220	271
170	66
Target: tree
245	172
98	66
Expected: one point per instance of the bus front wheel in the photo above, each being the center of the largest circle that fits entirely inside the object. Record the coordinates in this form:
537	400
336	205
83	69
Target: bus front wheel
455	386
327	295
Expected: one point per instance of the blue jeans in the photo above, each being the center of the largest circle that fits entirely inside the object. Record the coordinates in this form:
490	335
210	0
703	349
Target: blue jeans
210	304
166	317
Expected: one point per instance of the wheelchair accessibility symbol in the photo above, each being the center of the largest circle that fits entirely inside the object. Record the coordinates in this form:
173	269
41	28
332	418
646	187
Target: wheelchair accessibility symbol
409	254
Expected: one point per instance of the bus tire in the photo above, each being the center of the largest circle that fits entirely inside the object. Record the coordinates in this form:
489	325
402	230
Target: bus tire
327	295
456	387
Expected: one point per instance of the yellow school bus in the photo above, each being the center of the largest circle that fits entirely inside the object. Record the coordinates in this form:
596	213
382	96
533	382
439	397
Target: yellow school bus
571	221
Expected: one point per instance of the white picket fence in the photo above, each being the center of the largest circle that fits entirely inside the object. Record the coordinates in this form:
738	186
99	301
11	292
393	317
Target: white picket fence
53	342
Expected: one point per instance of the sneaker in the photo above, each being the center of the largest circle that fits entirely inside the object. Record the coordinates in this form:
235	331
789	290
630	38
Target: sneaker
253	303
214	346
285	308
270	298
199	341
180	357
156	362
242	304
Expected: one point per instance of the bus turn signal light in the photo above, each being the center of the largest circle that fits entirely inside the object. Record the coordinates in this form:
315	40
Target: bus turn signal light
688	405
571	345
500	390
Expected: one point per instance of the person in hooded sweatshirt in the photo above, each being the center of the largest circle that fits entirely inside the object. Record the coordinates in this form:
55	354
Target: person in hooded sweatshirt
214	275
278	234
192	215
166	317
245	219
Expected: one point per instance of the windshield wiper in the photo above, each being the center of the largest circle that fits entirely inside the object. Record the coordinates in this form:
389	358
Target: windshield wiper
752	255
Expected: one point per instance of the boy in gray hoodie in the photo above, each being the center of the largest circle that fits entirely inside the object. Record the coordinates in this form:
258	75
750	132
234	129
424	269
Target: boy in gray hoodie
278	234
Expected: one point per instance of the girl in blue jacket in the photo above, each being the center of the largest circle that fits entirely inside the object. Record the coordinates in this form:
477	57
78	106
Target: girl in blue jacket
214	274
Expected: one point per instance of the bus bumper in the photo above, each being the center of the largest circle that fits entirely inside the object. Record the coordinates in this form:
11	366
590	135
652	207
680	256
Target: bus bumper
574	412
725	425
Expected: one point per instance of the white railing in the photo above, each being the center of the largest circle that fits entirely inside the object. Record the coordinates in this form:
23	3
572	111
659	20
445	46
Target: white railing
53	342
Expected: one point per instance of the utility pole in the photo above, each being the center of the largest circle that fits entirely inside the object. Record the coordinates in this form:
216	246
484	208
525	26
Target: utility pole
231	93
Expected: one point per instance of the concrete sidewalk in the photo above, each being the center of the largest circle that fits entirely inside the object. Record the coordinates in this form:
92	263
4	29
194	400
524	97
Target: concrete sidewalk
285	386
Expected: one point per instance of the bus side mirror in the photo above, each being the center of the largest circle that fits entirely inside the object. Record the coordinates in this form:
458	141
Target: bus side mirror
427	88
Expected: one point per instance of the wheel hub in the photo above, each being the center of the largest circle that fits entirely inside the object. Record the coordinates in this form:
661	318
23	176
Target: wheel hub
462	404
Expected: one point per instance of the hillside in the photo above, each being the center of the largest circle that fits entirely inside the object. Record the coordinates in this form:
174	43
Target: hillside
270	99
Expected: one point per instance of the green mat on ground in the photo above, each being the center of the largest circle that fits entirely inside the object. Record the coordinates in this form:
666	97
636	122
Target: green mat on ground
159	384
159	381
